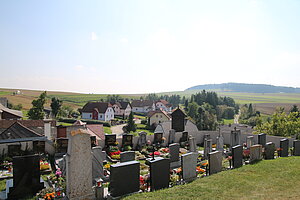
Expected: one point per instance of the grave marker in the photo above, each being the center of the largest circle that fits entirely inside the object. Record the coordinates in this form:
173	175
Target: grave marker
250	141
255	153
98	156
127	156
159	173
269	150
237	156
192	144
188	165
296	145
215	162
262	139
284	148
172	136
235	137
110	139
124	178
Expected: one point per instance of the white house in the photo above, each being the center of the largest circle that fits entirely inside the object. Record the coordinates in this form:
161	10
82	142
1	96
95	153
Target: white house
142	106
158	116
164	105
98	111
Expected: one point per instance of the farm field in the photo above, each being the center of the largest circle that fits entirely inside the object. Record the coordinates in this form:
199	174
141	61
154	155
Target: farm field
266	103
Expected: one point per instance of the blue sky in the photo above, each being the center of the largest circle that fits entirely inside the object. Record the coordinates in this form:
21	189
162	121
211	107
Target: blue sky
147	46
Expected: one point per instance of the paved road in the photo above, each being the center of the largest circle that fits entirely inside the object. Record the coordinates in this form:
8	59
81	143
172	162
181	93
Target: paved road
118	130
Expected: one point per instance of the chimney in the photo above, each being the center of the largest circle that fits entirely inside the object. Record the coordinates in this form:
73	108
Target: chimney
47	129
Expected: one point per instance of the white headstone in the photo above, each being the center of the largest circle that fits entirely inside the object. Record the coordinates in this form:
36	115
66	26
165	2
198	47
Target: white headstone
79	164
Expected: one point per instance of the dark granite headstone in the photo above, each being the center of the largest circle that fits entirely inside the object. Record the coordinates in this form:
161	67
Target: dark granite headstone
284	148
296	145
26	177
178	120
174	152
124	178
262	139
127	156
159	173
269	150
184	137
158	138
172	136
110	139
237	156
127	140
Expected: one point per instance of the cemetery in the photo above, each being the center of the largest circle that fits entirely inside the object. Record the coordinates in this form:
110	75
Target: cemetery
120	166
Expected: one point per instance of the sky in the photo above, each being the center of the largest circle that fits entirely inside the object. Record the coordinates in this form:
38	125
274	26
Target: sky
137	46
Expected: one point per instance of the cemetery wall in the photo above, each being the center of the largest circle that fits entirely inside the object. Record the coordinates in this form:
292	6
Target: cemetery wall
24	145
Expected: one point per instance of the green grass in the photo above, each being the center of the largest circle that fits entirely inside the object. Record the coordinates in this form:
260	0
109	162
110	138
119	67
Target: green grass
2	185
2	93
268	179
228	121
63	124
107	130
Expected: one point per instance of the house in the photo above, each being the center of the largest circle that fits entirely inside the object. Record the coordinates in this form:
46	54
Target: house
19	139
142	106
6	113
158	116
122	109
98	111
163	104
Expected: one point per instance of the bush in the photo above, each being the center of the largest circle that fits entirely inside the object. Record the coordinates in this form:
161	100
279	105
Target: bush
88	121
144	121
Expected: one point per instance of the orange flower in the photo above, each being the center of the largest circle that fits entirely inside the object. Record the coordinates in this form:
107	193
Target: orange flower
204	164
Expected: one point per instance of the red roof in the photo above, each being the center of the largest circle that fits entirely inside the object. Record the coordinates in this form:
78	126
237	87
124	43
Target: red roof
97	129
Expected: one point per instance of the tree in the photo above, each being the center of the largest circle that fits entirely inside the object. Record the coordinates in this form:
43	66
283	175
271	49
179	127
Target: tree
37	110
130	124
55	106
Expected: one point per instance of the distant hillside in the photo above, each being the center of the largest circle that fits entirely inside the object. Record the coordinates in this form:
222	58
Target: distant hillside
244	87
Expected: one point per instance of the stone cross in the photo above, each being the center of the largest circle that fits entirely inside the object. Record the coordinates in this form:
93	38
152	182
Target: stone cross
79	164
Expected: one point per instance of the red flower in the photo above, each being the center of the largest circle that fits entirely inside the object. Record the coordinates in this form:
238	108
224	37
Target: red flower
156	153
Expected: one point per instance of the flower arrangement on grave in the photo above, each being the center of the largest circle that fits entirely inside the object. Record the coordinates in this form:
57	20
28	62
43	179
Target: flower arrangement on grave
246	153
44	165
174	178
144	182
204	164
156	153
107	166
214	146
127	148
6	165
114	152
139	156
46	193
164	150
200	170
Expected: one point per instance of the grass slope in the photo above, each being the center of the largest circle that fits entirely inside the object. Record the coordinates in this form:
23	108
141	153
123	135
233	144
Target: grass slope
268	179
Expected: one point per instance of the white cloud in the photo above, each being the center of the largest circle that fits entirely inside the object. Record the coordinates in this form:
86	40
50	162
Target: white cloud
124	40
94	36
79	67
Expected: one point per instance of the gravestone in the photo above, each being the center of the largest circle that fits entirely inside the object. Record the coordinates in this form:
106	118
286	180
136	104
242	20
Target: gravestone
220	144
215	162
172	136
159	173
284	148
98	156
127	140
79	164
255	153
237	156
206	136
250	141
184	137
142	139
296	145
269	150
235	137
192	144
124	178
207	147
158	138
110	139
174	152
262	139
127	156
26	177
188	165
